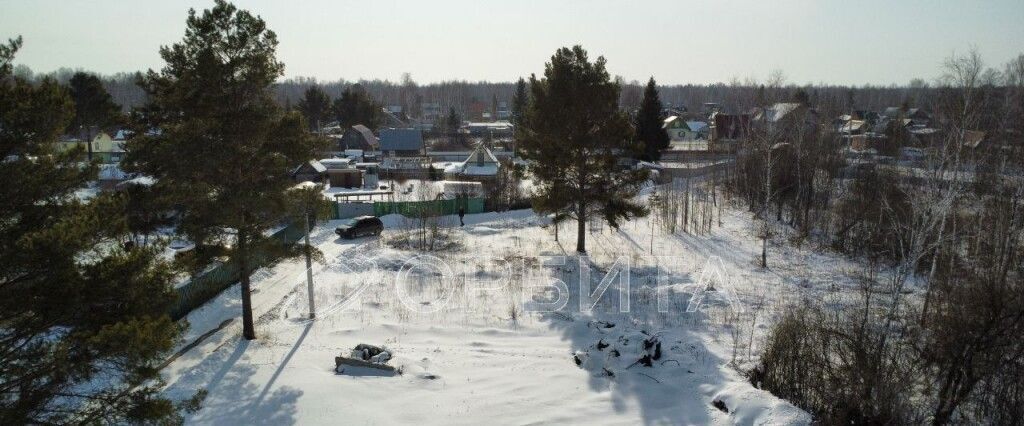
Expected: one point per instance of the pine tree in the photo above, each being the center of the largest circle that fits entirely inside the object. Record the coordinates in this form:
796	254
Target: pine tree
648	124
94	108
494	107
355	107
226	148
453	122
519	101
575	134
761	96
801	97
83	321
315	105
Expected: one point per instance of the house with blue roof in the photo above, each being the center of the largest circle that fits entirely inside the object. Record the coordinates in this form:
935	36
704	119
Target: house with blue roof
401	142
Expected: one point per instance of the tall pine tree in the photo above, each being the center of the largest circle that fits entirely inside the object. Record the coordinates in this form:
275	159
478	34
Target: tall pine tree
356	107
315	105
494	107
94	108
225	147
519	101
649	122
452	122
575	135
83	319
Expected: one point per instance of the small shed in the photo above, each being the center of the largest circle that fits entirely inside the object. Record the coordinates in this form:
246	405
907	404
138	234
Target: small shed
310	171
345	178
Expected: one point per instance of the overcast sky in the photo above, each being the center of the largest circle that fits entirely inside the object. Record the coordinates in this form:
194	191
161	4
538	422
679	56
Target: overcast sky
676	41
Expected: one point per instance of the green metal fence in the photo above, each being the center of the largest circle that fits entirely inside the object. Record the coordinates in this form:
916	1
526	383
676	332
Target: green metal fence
437	207
209	284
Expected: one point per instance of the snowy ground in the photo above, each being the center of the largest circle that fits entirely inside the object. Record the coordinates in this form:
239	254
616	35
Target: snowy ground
469	352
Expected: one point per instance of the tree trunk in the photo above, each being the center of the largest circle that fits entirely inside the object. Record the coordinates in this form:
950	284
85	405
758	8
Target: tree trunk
764	252
248	329
581	232
88	144
309	270
931	272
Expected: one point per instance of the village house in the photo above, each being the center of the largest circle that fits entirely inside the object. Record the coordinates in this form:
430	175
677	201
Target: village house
358	137
432	112
972	139
727	130
342	173
310	171
401	142
480	165
403	153
917	116
853	127
392	116
786	118
503	112
680	130
710	108
495	129
106	149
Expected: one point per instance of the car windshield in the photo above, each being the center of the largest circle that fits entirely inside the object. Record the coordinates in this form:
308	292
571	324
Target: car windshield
349	223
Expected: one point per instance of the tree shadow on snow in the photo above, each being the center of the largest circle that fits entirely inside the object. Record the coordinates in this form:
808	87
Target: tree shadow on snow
670	391
233	397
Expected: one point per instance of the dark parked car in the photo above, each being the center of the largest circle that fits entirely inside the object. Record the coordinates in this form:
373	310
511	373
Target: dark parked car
359	227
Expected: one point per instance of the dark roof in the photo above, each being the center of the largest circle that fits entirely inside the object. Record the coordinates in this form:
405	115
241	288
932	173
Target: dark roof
917	113
392	119
401	140
897	112
892	112
311	166
881	126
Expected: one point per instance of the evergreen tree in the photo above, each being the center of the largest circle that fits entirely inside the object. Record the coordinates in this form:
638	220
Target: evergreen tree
575	134
649	122
94	108
83	323
226	148
453	122
801	97
519	101
450	126
355	107
145	211
761	96
494	107
315	105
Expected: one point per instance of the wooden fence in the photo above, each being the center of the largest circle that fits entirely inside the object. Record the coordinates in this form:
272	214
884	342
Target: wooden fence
213	281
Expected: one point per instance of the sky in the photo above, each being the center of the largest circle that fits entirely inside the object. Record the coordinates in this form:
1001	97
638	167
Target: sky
675	41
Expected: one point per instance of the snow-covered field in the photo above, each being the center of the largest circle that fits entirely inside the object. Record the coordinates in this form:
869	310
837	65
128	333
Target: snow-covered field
472	352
